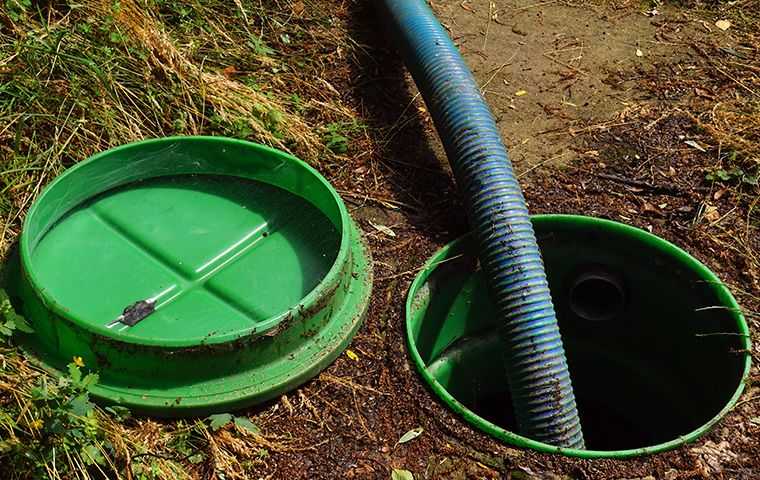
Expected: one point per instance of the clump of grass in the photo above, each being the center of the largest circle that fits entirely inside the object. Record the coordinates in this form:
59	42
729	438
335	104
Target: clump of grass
232	101
732	75
737	125
51	429
336	135
81	77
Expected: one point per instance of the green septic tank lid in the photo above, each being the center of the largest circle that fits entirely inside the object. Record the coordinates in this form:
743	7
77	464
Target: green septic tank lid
195	274
657	347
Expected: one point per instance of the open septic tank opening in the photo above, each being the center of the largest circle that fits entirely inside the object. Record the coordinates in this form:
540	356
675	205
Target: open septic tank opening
196	274
656	345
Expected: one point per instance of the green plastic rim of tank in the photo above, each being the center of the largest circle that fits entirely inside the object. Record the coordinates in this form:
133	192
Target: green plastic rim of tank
657	347
195	274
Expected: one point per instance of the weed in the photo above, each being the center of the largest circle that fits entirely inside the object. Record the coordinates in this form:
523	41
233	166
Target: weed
189	441
732	175
57	429
10	321
335	136
17	8
297	102
259	46
221	420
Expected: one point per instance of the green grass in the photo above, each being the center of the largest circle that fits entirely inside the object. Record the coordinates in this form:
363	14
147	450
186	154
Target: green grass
79	77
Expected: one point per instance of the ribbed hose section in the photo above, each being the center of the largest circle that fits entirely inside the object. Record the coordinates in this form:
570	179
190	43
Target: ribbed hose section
538	376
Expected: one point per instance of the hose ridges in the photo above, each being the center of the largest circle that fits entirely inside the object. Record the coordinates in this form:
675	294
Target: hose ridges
509	255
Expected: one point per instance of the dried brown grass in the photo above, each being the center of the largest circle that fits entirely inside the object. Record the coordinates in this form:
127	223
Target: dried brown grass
230	98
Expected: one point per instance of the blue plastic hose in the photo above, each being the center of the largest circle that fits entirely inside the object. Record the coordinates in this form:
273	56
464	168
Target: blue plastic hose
538	376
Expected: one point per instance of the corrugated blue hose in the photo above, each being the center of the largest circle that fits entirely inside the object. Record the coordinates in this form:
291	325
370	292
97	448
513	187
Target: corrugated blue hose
538	376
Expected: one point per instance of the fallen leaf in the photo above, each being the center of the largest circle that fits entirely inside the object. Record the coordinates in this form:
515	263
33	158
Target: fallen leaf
397	474
639	53
350	354
719	194
246	424
388	205
671	171
298	8
723	24
702	93
383	229
219	420
649	208
714	456
694	144
711	213
230	71
732	51
520	93
410	435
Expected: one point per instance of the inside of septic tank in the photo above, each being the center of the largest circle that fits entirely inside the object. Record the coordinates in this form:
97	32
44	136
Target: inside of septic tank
649	363
196	246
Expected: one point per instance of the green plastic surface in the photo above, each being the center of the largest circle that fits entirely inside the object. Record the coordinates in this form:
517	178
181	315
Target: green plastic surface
657	374
255	274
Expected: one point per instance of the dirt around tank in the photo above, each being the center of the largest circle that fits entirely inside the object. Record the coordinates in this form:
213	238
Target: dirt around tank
642	113
581	97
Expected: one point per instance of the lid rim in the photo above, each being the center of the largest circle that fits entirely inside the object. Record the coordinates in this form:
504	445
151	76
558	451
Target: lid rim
579	221
324	288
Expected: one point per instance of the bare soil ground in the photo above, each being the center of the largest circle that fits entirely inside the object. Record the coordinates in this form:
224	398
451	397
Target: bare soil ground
595	117
595	103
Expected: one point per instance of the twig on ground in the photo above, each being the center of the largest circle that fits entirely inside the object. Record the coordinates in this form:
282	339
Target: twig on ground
666	189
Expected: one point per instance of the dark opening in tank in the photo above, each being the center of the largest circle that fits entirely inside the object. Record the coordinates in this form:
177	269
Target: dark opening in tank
654	373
